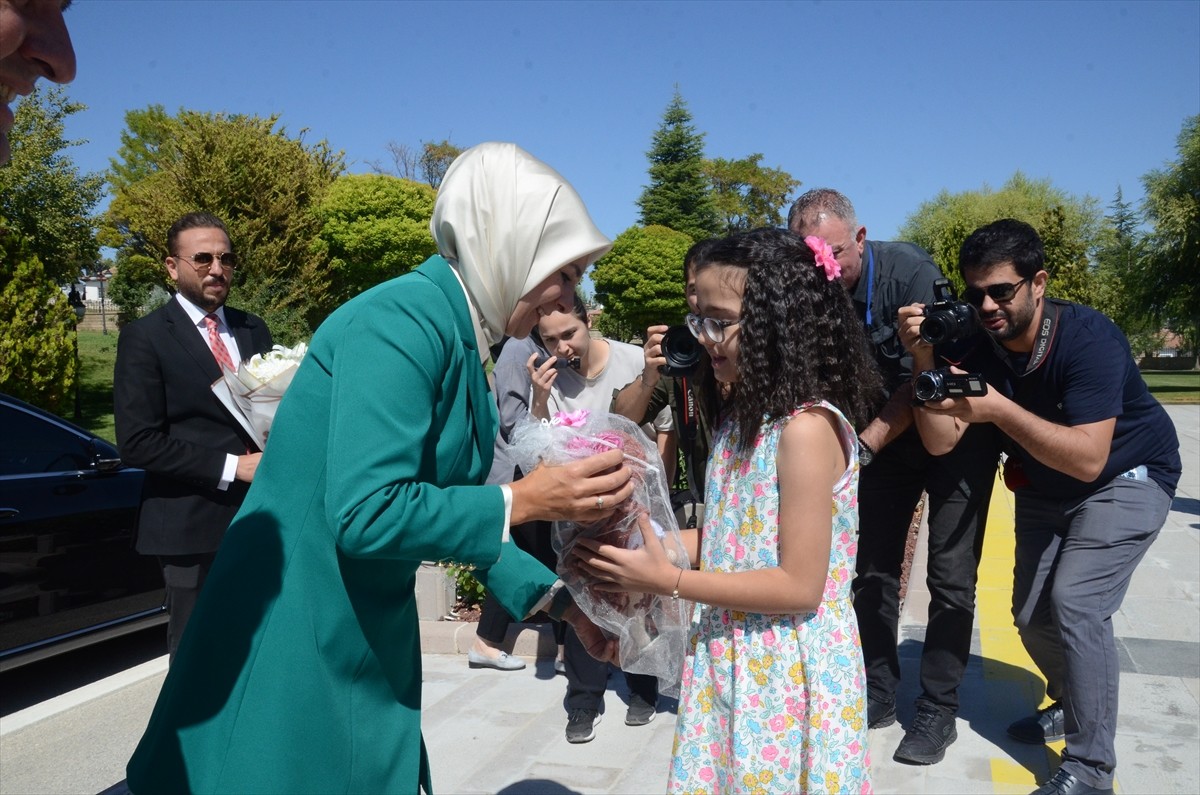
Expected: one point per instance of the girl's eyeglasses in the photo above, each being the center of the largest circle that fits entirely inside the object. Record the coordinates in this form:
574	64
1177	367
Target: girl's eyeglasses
203	260
1000	293
714	329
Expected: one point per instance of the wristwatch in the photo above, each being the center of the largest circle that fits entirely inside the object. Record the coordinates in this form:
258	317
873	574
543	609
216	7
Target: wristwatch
865	454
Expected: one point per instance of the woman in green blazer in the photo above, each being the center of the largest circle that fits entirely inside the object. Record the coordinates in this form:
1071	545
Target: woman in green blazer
300	670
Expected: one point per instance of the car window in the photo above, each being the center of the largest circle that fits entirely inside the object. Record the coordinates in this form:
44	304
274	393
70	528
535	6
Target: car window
31	445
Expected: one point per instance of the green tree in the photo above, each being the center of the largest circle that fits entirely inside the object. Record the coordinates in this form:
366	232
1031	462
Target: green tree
435	159
37	353
746	195
373	227
1068	226
42	193
640	282
1117	255
427	163
678	196
1169	287
262	183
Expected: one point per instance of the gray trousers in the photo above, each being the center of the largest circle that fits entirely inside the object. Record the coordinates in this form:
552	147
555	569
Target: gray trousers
1074	561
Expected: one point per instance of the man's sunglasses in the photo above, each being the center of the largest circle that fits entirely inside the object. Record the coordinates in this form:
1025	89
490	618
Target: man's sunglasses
203	260
1000	293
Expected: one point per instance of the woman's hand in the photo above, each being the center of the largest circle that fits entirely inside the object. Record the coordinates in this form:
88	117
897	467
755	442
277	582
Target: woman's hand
542	378
645	570
583	491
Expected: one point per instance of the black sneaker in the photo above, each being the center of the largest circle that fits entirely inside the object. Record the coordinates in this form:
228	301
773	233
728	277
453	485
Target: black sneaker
581	725
926	740
880	714
640	712
1044	727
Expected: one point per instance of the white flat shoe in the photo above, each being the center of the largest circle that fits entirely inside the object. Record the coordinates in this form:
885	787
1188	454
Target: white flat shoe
503	662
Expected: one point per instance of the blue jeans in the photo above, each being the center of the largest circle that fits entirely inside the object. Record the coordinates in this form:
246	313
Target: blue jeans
1074	561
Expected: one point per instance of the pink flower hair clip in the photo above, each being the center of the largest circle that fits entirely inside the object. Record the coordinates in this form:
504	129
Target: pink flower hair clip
824	256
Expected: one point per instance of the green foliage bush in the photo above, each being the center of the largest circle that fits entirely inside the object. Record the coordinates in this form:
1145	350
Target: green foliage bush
37	327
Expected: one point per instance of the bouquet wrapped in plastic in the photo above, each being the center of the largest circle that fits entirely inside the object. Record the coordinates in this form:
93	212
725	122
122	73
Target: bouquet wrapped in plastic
652	630
253	392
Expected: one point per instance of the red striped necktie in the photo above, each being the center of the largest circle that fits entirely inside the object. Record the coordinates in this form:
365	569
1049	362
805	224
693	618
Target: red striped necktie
219	351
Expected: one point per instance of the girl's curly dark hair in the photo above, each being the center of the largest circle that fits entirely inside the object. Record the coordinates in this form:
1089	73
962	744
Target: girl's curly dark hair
800	338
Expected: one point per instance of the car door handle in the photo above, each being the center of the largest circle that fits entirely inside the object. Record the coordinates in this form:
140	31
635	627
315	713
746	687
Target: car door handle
8	513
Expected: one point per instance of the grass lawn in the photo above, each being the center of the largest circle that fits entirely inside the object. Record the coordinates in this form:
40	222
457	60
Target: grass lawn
97	354
1182	386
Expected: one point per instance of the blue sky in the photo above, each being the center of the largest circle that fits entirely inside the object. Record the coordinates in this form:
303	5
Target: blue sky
889	102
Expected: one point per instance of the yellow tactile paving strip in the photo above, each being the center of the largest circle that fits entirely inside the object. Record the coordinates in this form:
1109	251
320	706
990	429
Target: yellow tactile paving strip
1003	654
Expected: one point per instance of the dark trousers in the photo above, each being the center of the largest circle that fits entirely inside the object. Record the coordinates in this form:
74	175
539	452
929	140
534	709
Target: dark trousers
1074	561
587	678
494	620
959	488
184	576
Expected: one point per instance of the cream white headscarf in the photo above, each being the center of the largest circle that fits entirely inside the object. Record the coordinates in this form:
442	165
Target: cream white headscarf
506	221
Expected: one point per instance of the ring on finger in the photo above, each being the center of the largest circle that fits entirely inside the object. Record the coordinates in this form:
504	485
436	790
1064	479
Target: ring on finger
599	503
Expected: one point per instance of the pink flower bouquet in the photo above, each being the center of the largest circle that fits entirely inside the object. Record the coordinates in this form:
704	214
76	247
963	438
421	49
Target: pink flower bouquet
652	630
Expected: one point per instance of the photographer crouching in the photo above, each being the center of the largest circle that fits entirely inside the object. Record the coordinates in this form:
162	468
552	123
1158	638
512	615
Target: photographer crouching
1094	466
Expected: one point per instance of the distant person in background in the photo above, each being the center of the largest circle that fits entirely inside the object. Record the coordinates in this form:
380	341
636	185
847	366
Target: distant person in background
882	277
604	367
34	43
199	460
511	386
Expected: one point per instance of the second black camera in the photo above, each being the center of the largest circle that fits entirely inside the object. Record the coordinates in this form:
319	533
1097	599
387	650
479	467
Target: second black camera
940	384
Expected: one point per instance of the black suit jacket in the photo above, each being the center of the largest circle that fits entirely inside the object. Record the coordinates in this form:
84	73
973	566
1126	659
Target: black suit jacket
170	424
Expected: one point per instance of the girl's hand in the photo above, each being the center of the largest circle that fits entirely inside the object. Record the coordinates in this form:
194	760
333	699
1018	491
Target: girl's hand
542	378
645	570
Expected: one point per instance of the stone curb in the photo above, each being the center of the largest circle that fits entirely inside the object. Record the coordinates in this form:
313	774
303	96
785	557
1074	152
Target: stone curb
531	641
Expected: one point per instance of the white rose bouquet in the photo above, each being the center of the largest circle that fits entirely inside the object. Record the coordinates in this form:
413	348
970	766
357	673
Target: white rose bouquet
253	392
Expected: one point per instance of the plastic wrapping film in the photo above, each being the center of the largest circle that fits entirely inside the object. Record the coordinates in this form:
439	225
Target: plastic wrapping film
652	630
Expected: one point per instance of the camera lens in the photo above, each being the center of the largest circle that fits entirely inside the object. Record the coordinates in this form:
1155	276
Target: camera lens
928	386
681	350
936	329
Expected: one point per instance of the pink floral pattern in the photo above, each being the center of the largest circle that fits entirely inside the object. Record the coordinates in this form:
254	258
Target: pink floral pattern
772	703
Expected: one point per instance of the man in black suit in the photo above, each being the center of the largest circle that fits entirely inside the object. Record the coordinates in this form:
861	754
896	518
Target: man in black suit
198	459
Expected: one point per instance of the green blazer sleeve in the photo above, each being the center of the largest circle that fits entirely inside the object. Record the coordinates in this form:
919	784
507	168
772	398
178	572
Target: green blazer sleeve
402	472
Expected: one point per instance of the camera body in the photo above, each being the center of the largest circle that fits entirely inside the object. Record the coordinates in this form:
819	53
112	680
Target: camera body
941	383
681	350
559	364
947	319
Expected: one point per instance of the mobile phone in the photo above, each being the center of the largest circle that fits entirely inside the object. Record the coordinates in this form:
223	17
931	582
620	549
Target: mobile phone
559	364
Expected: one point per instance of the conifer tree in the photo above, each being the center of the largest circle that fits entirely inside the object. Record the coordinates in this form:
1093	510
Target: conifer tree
679	196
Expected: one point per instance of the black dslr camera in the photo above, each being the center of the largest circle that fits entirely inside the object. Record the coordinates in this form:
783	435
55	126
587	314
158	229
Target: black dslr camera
941	383
559	364
681	350
947	319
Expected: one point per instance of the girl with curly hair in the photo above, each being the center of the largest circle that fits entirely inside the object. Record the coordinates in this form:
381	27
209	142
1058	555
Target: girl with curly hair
773	691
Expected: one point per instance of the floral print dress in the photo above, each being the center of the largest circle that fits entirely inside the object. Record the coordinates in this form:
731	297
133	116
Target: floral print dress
772	703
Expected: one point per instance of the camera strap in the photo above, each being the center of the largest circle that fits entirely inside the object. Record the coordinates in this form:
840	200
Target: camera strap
689	421
1019	363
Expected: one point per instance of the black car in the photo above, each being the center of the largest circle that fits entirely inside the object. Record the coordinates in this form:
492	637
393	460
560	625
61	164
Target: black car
69	574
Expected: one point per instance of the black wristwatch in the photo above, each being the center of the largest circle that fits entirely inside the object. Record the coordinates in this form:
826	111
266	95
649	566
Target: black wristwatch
865	454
